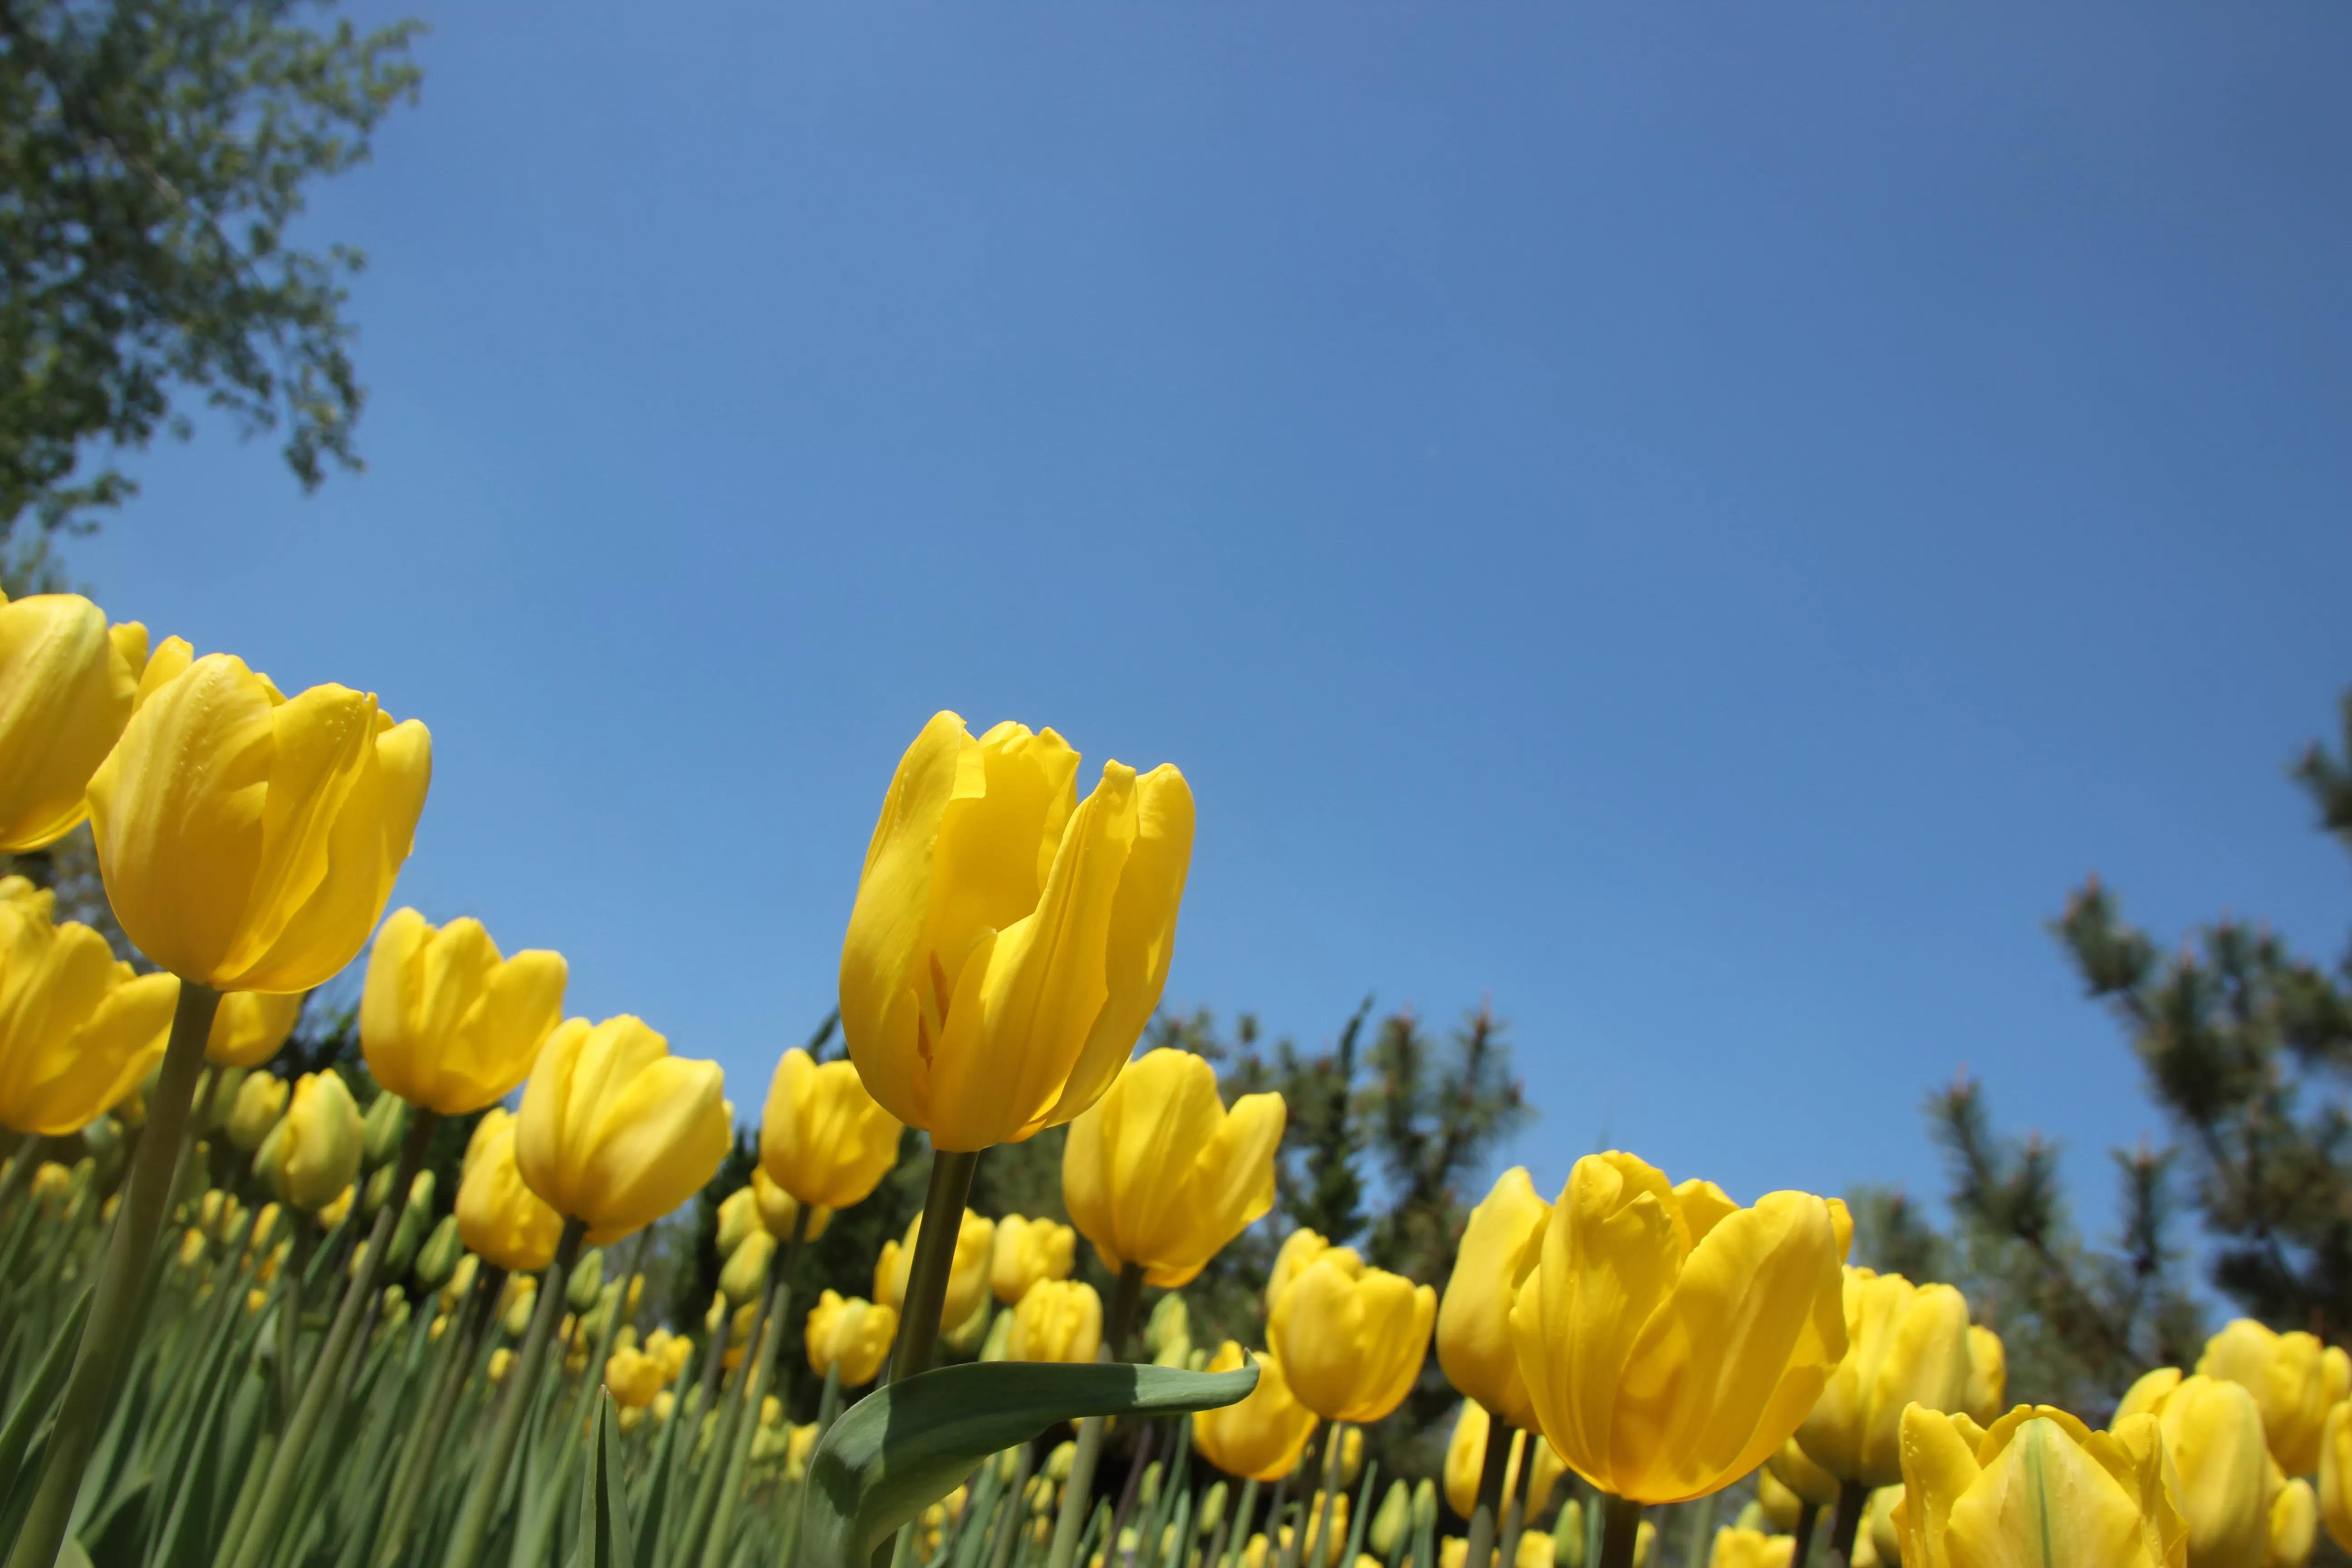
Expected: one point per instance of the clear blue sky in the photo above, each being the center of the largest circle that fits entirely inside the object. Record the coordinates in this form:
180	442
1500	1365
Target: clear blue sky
1699	523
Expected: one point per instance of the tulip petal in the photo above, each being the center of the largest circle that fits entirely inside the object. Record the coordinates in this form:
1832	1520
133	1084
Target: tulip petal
66	691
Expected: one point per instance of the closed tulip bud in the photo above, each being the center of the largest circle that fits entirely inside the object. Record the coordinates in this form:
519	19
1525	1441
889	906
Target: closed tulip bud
1670	1339
497	1215
337	1209
665	1406
745	1273
963	1338
260	1102
1907	1344
634	1377
2214	1430
614	1130
415	1218
1775	1503
436	1260
1300	1248
1425	1502
1736	1548
1028	1250
449	1024
2040	1489
2294	1525
1987	1377
522	1301
739	1218
822	1138
1568	1536
377	1188
585	1282
103	1139
2336	1475
78	1029
1498	1251
50	1180
317	1142
385	1124
1057	1321
2293	1378
1167	1333
192	1247
500	1359
254	1300
1793	1469
68	685
1009	942
250	1027
1351	1338
780	1211
1465	1456
249	841
967	1275
1390	1523
265	1228
1262	1437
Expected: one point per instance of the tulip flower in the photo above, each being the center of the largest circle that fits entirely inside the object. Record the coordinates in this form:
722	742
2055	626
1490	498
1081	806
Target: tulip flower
745	1275
2214	1430
851	1337
1009	942
250	1027
1737	1548
1261	1437
249	841
335	1210
967	1275
739	1220
2040	1489
1158	1173
1987	1377
2293	1378
78	1029
1465	1460
1498	1251
1058	1320
1351	1340
2335	1474
634	1377
2294	1525
499	1216
1782	1508
1671	1340
68	685
1298	1249
312	1154
1906	1344
614	1130
822	1138
449	1024
780	1211
1028	1250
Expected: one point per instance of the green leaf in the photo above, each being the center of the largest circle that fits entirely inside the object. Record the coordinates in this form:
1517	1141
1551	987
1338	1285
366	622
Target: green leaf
33	1407
606	1538
904	1446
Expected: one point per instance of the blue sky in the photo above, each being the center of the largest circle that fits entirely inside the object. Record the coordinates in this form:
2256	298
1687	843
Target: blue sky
1696	523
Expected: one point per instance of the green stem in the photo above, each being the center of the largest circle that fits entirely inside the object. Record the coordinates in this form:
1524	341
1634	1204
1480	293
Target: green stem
1486	1510
1016	1515
1804	1533
424	1442
106	1338
781	1267
935	1250
1236	1527
1854	1502
1621	1529
1126	1301
471	1536
1701	1536
1321	1465
1515	1514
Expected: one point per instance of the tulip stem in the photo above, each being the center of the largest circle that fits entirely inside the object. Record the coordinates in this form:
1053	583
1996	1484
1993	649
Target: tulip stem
1236	1528
1621	1531
1126	1307
1854	1500
1806	1515
1016	1513
471	1535
423	1447
294	1452
1126	1301
1315	1543
935	1250
782	1266
114	1306
1492	1472
1515	1512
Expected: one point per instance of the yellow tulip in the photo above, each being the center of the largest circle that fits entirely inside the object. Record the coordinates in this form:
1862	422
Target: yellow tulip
1671	1340
615	1131
1009	942
1781	1506
850	1335
822	1138
2293	1378
2294	1525
2335	1472
967	1275
497	1215
1465	1462
312	1152
249	841
500	1359
2214	1430
78	1029
192	1247
739	1220
1158	1173
780	1211
1811	1483
1351	1340
1299	1249
49	1182
446	1021
260	1102
67	684
248	1028
634	1377
1263	1436
1737	1548
2040	1489
1498	1251
1056	1319
745	1275
1906	1344
1028	1250
337	1209
1987	1377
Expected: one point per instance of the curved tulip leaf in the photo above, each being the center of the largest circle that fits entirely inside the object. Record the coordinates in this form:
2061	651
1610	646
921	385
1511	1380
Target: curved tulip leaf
906	1445
606	1538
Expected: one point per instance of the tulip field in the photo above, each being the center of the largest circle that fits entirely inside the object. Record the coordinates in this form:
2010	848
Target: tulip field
240	1327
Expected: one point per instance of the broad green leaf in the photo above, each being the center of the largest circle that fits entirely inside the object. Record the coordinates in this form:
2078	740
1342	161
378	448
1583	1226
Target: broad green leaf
904	1446
606	1538
33	1407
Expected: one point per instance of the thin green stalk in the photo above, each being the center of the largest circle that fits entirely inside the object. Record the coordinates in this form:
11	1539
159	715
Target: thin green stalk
1363	1515
1326	1452
115	1308
1702	1535
780	1267
1515	1513
935	1250
424	1436
1806	1516
471	1535
1236	1528
1118	1329
1621	1529
1854	1502
1485	1514
1023	1466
